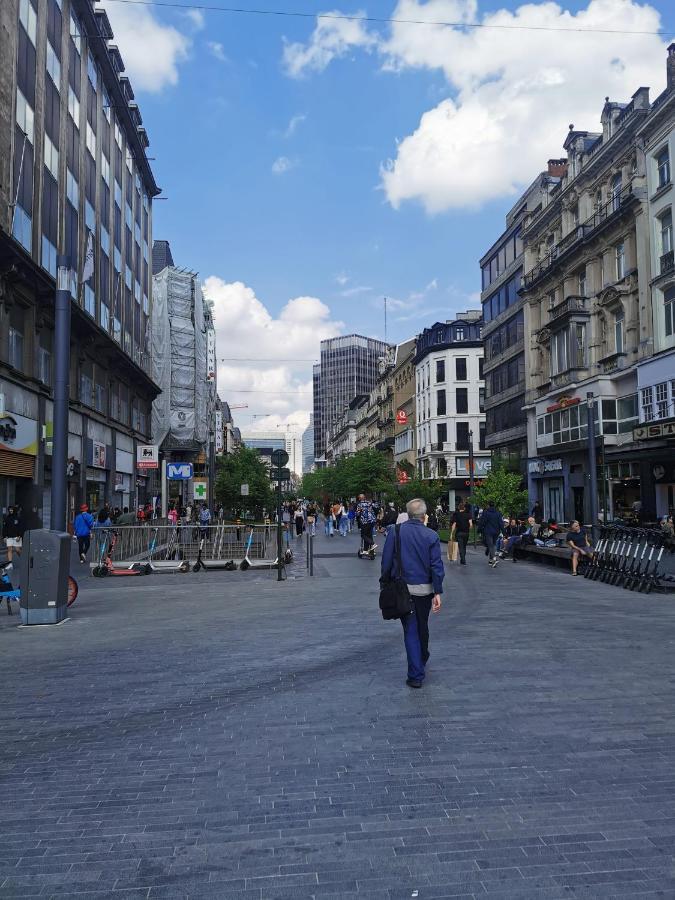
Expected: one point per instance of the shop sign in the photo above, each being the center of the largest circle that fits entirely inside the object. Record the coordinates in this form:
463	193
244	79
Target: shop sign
119	481
402	477
401	417
200	490
219	432
656	430
210	355
481	466
18	433
147	456
98	455
563	403
541	466
179	471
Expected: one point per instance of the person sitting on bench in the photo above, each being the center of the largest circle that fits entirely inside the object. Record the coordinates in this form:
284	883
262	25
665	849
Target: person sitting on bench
577	539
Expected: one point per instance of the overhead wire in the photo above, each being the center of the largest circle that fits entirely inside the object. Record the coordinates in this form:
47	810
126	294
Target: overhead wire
380	20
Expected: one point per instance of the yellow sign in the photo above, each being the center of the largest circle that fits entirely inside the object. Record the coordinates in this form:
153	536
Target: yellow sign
18	433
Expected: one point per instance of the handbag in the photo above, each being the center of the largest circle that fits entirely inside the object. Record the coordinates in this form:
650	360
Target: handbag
453	551
395	599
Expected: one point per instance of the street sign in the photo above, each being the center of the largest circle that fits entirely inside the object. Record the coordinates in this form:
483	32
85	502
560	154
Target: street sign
200	490
244	490
401	417
280	474
147	456
179	471
279	457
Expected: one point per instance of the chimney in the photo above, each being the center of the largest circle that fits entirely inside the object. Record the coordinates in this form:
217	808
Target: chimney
557	168
670	68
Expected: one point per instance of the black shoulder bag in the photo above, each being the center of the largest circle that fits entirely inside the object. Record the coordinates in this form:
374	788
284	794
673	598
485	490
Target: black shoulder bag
395	599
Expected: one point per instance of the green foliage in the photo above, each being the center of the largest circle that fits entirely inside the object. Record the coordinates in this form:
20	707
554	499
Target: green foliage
244	466
367	471
504	488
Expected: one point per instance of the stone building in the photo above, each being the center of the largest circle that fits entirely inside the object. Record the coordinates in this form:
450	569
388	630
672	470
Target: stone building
74	180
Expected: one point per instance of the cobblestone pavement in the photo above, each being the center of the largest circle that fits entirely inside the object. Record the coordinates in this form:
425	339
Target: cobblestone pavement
222	735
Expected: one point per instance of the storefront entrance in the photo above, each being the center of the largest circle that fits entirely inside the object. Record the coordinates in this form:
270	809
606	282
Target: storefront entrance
554	505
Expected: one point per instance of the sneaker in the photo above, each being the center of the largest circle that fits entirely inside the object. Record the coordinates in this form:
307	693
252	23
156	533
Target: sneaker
412	683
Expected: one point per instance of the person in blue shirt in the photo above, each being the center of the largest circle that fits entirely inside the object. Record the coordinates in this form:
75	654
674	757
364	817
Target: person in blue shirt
82	526
423	572
365	513
491	524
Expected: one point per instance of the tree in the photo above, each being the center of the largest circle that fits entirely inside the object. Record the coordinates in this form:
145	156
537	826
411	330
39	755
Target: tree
244	466
367	471
504	488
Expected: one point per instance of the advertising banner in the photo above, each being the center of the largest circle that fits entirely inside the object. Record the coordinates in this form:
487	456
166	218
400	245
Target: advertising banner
18	433
147	456
210	355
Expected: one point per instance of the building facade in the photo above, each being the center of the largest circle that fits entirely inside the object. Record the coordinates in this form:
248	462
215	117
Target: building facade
402	380
308	446
504	329
74	180
349	366
449	391
588	315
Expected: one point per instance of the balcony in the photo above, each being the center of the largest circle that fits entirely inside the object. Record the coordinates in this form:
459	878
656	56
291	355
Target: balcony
437	447
612	363
667	263
570	376
570	306
579	234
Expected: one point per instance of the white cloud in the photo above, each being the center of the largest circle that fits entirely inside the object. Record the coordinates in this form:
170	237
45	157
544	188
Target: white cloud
331	39
246	329
151	50
196	18
342	278
513	92
293	125
283	164
217	50
356	290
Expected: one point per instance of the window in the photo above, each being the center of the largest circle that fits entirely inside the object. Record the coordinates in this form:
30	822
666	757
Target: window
647	400
89	299
51	158
53	65
616	192
441	434
28	18
73	106
16	329
89	216
669	311
91	71
459	334
462	401
72	189
662	400
48	256
105	169
666	230
87	383
440	367
440	403
91	140
25	116
481	363
462	436
44	357
581	282
663	167
578	335
75	33
618	332
620	255
105	241
460	369
118	134
481	399
105	105
559	358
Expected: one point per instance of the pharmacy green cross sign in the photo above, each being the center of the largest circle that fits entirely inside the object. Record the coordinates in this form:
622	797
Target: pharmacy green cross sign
200	490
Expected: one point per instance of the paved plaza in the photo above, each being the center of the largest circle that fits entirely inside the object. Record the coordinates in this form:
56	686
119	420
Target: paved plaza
222	735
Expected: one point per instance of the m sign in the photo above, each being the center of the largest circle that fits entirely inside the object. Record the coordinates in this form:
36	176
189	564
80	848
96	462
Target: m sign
179	471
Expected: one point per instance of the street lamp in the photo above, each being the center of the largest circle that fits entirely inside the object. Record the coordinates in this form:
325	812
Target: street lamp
592	463
64	280
471	483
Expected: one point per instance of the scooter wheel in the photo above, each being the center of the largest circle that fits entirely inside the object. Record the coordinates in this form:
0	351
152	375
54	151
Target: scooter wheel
102	571
147	569
72	590
196	567
184	568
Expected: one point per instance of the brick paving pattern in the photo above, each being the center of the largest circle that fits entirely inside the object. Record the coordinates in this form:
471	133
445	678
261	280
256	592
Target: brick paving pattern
219	735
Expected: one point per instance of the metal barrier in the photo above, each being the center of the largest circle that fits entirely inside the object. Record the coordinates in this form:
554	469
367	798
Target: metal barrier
175	543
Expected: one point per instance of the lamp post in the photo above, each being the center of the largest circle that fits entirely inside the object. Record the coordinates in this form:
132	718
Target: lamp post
471	482
592	463
64	277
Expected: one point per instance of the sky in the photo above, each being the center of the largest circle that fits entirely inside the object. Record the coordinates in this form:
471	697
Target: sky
312	167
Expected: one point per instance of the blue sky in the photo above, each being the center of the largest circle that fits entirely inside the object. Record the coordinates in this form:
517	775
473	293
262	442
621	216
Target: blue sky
270	135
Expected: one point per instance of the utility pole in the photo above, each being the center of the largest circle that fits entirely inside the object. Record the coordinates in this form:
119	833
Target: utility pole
593	464
61	392
471	483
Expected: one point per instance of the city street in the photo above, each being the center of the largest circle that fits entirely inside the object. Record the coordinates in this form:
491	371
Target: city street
221	735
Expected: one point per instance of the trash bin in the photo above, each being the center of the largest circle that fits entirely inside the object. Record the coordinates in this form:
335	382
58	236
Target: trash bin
44	568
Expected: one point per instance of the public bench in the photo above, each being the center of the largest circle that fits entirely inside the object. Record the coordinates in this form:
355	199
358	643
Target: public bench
555	556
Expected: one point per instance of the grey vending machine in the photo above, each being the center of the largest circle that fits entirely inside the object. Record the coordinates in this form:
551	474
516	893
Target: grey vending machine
44	567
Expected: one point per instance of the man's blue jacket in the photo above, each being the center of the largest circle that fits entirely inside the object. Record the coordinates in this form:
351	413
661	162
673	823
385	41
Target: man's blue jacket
491	522
420	555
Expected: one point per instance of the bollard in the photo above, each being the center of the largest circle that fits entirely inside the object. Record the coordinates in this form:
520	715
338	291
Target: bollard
311	555
307	560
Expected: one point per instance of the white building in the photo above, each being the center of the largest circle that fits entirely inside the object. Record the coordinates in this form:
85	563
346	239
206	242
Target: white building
277	438
449	391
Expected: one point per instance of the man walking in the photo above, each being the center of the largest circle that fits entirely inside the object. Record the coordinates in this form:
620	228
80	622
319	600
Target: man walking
82	527
366	515
423	572
461	527
491	524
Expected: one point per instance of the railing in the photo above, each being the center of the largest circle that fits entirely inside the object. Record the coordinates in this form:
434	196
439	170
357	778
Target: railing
183	543
571	304
438	447
667	263
579	233
611	363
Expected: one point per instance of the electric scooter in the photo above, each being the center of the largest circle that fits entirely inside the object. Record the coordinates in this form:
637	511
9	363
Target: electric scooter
368	553
106	566
167	564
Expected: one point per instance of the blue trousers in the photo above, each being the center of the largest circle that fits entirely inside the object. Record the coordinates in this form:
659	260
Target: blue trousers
416	637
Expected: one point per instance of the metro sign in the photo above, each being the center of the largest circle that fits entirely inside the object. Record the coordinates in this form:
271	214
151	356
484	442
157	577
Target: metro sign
179	471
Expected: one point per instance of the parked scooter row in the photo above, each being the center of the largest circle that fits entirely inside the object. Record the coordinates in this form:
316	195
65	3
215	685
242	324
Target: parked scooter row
630	558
